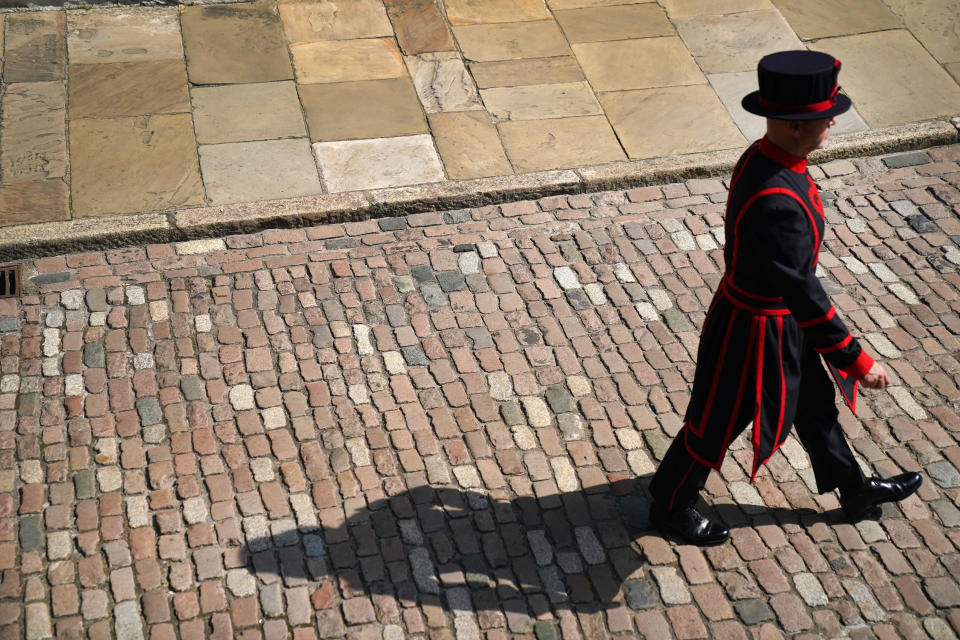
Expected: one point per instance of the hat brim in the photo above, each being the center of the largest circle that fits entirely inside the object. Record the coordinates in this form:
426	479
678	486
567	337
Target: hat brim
751	102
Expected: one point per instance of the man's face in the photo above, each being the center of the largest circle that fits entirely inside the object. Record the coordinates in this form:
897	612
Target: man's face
814	133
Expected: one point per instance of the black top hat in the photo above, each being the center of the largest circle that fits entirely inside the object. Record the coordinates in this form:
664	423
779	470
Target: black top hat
797	85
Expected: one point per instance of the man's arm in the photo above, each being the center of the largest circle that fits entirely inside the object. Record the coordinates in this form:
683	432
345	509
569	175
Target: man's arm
786	238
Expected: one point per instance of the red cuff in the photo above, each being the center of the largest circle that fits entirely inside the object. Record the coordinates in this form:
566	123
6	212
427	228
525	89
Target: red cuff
860	366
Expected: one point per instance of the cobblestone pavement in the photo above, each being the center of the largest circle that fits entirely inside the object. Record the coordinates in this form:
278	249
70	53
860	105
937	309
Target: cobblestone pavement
431	427
116	111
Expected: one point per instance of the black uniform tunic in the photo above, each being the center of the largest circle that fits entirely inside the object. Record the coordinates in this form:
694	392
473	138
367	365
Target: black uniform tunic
767	313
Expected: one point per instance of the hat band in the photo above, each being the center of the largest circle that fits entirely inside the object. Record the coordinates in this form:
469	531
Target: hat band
816	107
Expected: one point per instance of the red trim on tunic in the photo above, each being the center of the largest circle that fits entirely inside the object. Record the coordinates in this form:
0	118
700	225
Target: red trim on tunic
860	367
743	383
762	335
836	347
752	295
803	324
781	157
749	203
783	405
698	431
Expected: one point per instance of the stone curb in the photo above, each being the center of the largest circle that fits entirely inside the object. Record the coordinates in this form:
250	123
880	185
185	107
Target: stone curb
29	241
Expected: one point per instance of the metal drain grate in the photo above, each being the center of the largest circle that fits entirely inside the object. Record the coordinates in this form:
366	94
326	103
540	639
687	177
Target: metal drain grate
10	282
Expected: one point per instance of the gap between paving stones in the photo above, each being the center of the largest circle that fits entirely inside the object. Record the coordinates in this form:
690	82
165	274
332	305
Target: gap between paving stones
38	240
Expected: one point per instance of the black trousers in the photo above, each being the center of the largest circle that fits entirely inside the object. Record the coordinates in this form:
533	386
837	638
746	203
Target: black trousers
680	477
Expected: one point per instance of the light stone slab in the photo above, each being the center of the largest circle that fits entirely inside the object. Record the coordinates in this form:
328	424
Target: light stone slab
637	64
234	43
245	112
815	19
362	110
469	145
128	89
539	102
537	145
462	12
334	20
731	87
511	41
347	60
892	79
372	164
442	82
580	4
34	132
614	23
128	165
735	42
124	34
263	170
688	8
689	119
929	22
512	73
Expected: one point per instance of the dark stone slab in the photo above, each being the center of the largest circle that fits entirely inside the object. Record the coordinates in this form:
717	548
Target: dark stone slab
753	611
451	281
909	159
392	224
422	273
31	533
414	356
922	224
640	594
50	278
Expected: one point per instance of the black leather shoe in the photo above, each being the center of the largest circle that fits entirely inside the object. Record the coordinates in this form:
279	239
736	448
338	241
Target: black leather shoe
689	525
875	491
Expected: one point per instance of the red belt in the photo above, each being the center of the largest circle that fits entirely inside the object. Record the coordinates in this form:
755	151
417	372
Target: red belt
753	303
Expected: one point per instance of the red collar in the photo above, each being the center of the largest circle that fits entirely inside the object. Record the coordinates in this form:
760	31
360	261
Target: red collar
778	155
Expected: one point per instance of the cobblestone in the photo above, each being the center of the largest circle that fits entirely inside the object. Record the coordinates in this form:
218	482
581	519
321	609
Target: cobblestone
323	443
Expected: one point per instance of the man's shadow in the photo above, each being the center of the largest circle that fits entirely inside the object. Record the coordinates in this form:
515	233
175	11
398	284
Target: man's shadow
465	551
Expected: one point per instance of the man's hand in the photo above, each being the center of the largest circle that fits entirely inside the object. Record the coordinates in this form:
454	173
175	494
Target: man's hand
876	378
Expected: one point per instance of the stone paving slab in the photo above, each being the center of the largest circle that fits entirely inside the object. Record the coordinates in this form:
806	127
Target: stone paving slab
432	426
536	60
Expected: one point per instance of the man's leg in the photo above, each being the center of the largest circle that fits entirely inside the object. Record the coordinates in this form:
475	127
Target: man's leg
679	478
834	465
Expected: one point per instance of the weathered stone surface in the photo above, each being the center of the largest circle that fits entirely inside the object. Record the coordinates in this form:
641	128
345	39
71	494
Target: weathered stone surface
735	42
443	83
244	112
234	43
419	26
461	12
688	8
690	119
334	20
535	145
34	132
621	22
512	73
128	89
33	202
815	19
487	42
885	72
366	109
124	34
262	170
538	102
35	47
927	20
638	64
362	164
347	60
469	145
133	164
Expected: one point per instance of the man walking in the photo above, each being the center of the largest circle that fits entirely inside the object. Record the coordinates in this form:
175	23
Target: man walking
770	321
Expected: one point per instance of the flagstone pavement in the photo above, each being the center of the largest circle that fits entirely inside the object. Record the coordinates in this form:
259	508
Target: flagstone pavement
123	110
433	426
